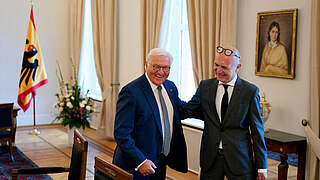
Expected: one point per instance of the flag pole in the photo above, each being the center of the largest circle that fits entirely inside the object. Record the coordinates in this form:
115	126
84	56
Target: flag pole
39	78
34	131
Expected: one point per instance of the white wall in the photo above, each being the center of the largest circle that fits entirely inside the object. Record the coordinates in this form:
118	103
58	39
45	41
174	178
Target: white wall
289	98
51	19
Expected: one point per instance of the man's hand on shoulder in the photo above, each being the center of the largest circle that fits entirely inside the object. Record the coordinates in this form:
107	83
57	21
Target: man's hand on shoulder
147	168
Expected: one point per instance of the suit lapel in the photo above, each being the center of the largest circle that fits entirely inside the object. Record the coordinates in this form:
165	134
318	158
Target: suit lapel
234	97
212	93
170	94
146	88
170	91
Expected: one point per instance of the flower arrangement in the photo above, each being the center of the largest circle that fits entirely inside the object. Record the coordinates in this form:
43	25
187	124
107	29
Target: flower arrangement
75	108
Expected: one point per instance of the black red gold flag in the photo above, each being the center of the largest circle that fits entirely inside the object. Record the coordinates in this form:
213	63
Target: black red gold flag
33	74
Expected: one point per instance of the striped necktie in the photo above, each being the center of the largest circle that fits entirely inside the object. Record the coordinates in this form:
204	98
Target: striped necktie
166	133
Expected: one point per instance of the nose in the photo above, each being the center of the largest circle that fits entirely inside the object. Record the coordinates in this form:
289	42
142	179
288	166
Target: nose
161	71
218	69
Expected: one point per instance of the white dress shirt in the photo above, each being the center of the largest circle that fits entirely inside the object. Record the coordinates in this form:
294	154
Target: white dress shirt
219	95
166	100
169	109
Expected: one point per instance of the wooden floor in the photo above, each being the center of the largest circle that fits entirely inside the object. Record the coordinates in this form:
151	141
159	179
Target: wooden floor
51	148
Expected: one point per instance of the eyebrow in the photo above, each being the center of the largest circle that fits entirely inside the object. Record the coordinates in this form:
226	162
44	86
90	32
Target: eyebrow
222	66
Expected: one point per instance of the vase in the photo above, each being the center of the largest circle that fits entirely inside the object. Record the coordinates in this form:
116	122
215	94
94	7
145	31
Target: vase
265	111
71	134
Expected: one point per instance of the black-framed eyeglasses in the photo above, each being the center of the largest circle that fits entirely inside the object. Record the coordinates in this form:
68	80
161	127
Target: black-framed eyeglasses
227	52
157	68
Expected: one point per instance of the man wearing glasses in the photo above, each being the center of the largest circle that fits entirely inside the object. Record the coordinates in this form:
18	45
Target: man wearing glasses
233	137
147	126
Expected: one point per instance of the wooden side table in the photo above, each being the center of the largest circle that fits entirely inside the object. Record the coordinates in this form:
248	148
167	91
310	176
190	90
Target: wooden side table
285	143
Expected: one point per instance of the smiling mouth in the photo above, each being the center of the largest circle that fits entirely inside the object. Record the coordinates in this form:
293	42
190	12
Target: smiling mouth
159	77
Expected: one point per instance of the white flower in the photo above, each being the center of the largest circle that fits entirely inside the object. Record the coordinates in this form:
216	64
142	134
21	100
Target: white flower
69	105
68	95
84	102
72	97
88	108
81	105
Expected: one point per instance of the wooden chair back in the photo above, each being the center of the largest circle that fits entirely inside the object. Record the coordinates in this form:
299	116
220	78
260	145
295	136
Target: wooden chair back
78	157
7	127
77	169
104	170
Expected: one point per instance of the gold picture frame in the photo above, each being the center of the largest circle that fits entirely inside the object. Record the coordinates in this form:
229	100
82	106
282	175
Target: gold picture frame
276	43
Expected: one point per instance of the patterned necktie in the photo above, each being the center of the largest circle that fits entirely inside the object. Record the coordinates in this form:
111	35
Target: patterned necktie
166	133
224	102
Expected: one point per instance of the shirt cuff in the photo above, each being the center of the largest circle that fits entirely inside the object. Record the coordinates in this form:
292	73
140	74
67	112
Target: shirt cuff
136	169
262	170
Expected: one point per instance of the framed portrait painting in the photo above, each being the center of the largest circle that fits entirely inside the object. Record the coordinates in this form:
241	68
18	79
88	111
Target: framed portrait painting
276	43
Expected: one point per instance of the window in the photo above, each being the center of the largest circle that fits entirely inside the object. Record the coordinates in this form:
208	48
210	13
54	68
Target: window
87	77
174	37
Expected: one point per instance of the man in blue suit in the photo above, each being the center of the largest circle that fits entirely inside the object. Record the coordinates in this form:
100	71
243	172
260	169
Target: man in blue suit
147	126
232	143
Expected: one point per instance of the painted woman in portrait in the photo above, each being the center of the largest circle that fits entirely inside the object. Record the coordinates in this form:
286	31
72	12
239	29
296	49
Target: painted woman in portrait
274	57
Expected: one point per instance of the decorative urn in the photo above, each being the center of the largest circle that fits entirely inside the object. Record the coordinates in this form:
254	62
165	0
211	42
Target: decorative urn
265	110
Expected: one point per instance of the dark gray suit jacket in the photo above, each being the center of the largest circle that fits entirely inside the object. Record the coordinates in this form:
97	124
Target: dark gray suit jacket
241	131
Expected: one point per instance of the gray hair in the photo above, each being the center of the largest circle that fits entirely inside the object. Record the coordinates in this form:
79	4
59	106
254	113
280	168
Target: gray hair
159	52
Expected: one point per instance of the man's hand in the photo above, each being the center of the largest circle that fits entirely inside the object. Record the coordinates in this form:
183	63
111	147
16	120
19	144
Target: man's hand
262	176
147	168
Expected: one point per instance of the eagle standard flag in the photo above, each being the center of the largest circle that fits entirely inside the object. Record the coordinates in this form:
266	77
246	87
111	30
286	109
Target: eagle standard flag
33	74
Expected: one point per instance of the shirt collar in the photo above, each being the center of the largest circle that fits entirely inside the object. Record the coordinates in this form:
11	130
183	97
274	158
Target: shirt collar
273	44
153	86
232	82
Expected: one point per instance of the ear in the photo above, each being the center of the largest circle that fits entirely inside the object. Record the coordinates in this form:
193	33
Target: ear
238	67
145	66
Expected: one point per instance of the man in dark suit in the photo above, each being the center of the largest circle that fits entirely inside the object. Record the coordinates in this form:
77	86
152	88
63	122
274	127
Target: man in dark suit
147	127
233	137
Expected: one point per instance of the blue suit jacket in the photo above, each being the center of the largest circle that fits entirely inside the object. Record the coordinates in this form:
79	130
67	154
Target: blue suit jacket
241	131
138	130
